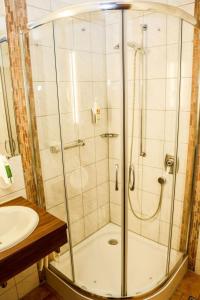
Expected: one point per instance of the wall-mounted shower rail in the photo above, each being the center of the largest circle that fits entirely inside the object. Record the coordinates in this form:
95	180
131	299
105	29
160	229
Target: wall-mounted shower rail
109	135
78	143
56	148
142	55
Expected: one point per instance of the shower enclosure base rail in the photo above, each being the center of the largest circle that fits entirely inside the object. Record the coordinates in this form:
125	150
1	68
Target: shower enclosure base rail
69	291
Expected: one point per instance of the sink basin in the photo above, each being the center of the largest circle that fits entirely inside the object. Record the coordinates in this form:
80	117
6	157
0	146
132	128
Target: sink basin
16	224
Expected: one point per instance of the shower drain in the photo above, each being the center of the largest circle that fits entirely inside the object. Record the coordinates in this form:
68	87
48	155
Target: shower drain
113	242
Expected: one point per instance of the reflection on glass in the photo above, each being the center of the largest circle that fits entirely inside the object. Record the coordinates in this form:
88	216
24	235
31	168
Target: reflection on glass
8	134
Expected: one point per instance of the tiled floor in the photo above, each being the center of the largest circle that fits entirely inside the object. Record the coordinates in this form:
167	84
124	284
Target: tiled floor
189	286
43	292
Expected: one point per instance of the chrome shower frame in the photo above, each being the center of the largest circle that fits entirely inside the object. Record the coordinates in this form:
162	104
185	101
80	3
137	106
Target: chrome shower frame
74	10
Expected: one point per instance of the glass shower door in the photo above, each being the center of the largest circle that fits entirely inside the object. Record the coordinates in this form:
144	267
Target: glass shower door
47	117
89	124
153	61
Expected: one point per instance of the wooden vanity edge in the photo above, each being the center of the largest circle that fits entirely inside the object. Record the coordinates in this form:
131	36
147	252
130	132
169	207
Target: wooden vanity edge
49	236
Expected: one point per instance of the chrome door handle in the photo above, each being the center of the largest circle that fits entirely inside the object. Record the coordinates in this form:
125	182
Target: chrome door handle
131	173
116	177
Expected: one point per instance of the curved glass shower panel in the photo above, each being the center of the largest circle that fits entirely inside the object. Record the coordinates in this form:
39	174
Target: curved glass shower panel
89	125
153	99
47	116
10	146
180	214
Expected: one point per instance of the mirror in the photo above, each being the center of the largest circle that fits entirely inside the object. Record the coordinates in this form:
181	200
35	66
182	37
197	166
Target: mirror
8	134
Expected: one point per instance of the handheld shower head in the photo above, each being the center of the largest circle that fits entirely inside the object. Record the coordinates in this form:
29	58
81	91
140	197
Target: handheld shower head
132	45
136	47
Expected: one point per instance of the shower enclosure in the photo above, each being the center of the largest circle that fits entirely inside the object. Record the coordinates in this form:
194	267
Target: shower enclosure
112	84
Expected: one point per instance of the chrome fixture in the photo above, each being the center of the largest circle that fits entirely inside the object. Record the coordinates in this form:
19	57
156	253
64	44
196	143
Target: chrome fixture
78	143
109	135
140	53
116	47
131	174
116	177
142	66
136	47
170	163
161	180
142	153
113	242
144	27
75	9
54	149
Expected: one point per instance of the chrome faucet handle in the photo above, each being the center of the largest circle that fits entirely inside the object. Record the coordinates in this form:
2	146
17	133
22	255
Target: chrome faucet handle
116	177
131	173
171	164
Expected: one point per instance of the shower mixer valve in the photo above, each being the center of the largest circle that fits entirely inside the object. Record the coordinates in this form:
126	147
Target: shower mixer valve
170	163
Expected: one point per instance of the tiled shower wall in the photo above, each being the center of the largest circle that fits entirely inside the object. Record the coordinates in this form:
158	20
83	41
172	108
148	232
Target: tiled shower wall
162	56
81	75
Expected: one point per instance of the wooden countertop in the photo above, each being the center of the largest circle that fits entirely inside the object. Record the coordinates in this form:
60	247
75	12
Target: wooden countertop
49	235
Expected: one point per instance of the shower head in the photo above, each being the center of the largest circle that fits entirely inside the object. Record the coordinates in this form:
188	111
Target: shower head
132	45
136	47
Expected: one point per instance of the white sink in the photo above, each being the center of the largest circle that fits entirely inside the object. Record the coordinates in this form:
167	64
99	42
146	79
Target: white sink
16	224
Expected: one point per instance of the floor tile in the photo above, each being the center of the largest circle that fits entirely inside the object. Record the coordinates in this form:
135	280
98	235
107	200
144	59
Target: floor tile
189	286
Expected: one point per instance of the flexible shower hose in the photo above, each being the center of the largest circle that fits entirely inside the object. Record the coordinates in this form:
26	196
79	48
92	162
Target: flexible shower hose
161	180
